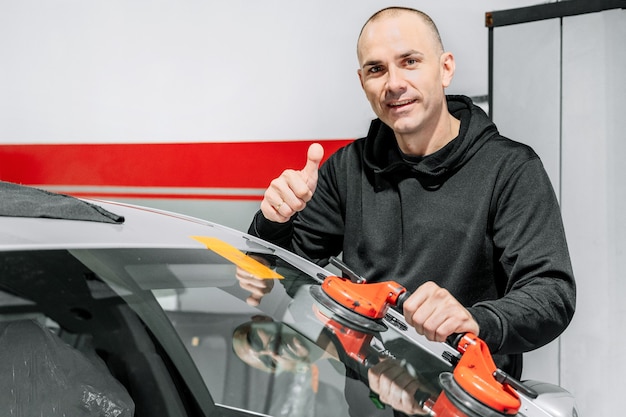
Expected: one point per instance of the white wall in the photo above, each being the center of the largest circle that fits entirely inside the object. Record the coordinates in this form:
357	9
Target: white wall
77	71
594	203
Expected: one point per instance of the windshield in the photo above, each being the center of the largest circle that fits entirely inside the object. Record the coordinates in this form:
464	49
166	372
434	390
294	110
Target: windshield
288	356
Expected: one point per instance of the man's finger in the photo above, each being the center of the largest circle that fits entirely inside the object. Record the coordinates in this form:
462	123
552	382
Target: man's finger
313	159
253	301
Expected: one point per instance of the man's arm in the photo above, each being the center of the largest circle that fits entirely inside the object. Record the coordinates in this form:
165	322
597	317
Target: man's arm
540	292
285	196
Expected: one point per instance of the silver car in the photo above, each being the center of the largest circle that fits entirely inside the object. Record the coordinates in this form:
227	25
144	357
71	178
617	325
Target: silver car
112	310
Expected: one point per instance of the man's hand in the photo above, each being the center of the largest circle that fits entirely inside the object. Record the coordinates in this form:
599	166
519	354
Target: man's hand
257	287
290	192
395	386
436	314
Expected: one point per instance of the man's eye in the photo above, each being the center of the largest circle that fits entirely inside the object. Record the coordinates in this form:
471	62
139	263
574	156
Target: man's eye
374	70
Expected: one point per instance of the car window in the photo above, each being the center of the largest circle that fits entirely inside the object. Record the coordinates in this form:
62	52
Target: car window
276	358
172	327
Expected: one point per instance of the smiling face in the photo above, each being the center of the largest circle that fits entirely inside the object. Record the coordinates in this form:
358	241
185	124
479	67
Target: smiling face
404	71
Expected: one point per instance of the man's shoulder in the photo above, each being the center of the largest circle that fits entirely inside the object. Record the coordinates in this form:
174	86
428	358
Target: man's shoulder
502	146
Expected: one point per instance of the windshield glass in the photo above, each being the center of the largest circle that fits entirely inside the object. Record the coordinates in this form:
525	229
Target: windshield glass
287	356
180	314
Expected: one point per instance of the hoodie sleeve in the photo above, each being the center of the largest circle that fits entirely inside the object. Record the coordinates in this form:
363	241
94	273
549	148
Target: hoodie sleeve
531	249
276	233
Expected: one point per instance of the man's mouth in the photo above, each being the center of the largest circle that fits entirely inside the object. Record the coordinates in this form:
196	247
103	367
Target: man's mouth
401	103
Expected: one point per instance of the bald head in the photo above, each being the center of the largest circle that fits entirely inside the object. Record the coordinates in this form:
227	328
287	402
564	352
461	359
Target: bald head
391	12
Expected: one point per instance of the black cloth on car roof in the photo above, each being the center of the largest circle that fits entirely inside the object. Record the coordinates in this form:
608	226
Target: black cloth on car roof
23	201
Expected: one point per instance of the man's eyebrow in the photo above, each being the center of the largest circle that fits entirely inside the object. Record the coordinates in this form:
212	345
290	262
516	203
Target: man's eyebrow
412	52
371	63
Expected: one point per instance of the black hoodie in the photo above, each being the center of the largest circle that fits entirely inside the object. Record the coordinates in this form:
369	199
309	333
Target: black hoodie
479	217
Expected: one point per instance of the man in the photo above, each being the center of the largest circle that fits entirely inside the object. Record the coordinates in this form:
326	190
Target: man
435	199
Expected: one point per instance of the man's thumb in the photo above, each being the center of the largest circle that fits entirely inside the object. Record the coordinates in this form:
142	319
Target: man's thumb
313	159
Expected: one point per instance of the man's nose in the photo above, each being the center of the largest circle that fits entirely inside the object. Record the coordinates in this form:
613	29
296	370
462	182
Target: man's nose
395	80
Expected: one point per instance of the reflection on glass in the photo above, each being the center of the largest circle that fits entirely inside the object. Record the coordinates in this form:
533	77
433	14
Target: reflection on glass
278	349
270	346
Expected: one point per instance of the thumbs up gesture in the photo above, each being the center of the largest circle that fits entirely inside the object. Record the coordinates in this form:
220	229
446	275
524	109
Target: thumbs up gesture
289	193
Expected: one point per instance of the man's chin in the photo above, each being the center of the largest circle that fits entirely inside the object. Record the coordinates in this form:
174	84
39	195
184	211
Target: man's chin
404	127
400	123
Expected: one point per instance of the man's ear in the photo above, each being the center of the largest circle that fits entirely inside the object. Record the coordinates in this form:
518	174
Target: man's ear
447	68
360	74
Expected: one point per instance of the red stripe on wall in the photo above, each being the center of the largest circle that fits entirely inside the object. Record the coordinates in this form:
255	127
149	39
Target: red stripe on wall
204	165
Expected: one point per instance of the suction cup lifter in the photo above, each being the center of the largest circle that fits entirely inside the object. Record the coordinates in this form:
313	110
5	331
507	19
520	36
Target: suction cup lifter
368	300
475	388
476	385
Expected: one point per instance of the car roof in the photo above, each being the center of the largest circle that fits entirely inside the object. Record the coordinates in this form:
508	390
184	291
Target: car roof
142	227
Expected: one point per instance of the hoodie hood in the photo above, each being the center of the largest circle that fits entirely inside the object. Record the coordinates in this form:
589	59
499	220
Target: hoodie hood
383	156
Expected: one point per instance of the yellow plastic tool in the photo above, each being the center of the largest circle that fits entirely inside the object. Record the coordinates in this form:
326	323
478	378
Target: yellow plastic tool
237	257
